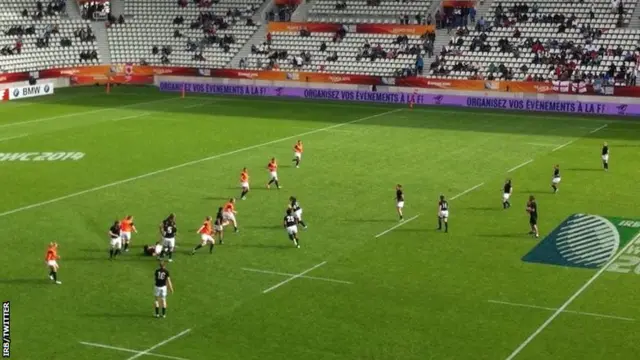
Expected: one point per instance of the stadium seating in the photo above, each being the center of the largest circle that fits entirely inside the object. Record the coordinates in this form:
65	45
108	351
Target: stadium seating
346	50
565	41
365	11
32	57
153	25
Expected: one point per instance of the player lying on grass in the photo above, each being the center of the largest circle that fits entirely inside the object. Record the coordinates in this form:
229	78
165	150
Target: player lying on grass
153	250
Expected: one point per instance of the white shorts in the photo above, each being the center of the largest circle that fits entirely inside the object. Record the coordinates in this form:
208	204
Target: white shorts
206	238
555	180
506	196
116	243
298	214
292	230
244	185
125	235
273	175
158	249
229	216
160	292
169	243
298	155
52	263
217	228
400	204
605	157
444	214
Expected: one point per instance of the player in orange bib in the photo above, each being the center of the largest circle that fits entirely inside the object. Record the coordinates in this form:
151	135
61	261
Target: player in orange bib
244	183
126	227
272	166
298	148
206	236
229	213
51	260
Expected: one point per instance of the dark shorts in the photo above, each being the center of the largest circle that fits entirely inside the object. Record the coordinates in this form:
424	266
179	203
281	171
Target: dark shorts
533	220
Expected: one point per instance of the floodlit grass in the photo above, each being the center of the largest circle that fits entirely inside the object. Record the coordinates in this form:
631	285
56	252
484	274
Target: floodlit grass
412	293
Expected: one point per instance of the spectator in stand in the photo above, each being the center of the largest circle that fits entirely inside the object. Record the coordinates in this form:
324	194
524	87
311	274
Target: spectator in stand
438	19
24	13
120	19
304	32
472	13
323	46
429	19
333	57
419	65
182	3
517	33
18	47
269	38
341	5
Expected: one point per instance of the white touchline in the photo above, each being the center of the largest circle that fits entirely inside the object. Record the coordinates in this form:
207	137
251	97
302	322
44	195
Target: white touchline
18	123
292	278
566	311
302	277
189	163
130	117
570	300
598	129
578	138
541	144
519	166
466	191
146	352
397	226
129	350
13	137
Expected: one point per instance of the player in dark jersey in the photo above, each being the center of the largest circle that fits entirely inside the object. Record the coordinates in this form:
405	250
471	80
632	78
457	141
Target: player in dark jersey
443	214
506	194
605	156
162	281
555	181
291	225
297	210
116	240
532	209
168	230
399	201
218	226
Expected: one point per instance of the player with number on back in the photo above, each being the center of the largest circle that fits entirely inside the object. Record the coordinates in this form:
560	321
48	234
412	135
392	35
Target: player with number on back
168	231
244	183
298	148
51	259
115	240
506	194
218	227
443	214
605	156
297	210
532	209
162	281
291	225
229	213
400	201
126	227
206	232
272	166
555	181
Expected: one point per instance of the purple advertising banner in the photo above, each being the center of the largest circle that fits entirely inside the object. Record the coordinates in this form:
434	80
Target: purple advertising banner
570	107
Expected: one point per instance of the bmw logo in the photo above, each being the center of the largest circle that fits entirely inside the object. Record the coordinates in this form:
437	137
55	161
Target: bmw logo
46	88
16	92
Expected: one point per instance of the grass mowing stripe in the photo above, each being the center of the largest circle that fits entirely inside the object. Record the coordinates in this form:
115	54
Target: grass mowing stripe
570	300
146	352
189	163
129	350
396	226
293	277
519	166
566	311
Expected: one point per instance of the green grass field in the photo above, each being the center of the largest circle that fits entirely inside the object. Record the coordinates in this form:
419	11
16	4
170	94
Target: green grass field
378	289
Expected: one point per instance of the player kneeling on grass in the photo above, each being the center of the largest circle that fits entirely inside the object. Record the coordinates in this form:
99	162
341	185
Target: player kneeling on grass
229	213
153	250
116	240
291	225
205	231
443	214
162	281
51	259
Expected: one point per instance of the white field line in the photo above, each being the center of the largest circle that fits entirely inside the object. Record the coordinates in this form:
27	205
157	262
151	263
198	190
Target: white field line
13	137
302	277
146	352
578	138
130	117
292	278
466	191
82	113
199	104
541	144
396	226
570	300
566	311
519	166
129	350
189	163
